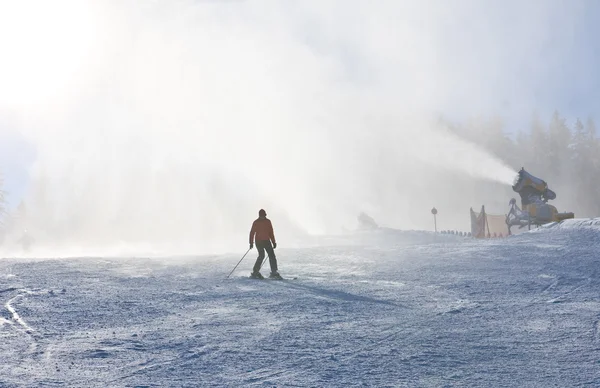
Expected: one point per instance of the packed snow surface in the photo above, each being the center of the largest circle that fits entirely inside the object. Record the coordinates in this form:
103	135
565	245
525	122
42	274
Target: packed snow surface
380	308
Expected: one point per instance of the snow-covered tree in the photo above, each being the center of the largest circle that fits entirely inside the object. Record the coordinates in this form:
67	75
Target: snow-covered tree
2	202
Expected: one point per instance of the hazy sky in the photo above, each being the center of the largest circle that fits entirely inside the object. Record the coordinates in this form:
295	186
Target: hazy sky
309	107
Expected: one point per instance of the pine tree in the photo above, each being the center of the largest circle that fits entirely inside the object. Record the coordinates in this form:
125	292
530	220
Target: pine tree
19	218
594	143
3	214
497	140
558	150
2	202
578	143
40	213
593	168
579	160
585	164
538	146
523	156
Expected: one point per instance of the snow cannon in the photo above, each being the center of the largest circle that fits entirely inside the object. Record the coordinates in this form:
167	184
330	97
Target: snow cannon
531	188
535	210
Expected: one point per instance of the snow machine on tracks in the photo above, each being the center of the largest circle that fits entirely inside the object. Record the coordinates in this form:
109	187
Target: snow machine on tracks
534	210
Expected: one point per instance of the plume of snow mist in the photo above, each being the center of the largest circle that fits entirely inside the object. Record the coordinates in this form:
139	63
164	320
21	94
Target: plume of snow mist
189	116
453	153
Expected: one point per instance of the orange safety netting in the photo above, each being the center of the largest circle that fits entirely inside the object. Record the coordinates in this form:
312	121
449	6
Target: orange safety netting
485	225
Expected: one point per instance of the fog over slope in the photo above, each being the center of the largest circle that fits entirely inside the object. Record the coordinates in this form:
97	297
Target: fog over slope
174	122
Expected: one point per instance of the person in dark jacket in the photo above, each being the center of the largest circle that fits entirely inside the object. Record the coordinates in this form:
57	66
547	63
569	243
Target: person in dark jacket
262	234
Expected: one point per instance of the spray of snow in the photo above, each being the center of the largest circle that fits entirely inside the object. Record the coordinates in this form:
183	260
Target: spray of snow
184	118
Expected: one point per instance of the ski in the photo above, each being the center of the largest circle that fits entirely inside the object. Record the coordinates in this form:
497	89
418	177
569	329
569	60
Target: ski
270	278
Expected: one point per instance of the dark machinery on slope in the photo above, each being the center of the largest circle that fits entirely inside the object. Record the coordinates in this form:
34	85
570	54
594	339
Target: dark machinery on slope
534	210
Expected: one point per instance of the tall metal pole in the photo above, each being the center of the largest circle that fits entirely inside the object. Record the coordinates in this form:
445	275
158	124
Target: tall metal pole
434	212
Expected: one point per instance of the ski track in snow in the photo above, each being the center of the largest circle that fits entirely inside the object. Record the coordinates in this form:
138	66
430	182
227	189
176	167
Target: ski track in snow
15	316
383	308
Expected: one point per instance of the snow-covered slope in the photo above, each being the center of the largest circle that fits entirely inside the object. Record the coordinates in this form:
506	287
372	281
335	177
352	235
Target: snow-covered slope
383	308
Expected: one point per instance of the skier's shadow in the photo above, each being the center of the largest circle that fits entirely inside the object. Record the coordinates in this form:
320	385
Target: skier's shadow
339	295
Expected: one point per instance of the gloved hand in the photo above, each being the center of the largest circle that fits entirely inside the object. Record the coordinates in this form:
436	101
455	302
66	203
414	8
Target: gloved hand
251	245
274	245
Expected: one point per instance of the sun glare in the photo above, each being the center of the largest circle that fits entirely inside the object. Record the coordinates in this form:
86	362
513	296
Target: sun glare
43	46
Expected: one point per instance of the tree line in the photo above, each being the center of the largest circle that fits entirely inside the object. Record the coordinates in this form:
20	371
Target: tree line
565	154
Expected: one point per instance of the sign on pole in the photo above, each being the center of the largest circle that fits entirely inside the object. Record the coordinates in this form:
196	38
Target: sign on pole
434	212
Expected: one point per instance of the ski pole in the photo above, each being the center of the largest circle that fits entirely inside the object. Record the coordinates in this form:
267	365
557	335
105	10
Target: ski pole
238	263
263	262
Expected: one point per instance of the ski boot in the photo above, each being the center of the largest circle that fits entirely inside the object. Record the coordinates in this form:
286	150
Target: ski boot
256	275
275	275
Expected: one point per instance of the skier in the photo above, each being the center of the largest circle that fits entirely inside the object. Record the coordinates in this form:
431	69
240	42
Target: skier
262	232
